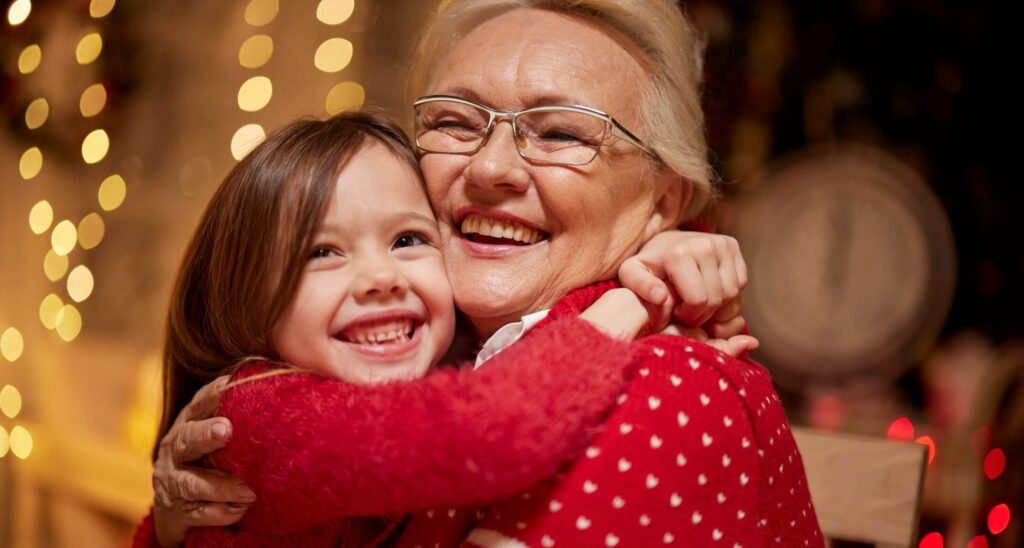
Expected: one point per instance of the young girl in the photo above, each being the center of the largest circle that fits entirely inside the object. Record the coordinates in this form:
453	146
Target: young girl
320	251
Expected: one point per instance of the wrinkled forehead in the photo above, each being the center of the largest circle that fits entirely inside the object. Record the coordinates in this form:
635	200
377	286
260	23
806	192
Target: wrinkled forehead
530	57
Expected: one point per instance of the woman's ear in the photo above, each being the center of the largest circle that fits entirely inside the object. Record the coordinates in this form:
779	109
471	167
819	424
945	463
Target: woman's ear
672	195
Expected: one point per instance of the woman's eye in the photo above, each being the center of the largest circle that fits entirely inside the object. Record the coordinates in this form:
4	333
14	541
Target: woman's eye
410	239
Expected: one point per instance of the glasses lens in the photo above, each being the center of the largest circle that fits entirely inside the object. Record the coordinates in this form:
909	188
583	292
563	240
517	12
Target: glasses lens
562	136
450	126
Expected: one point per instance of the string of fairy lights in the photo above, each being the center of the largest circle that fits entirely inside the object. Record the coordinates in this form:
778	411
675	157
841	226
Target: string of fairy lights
56	313
332	56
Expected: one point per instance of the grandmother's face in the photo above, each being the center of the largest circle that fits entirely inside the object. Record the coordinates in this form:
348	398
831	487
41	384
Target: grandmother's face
585	220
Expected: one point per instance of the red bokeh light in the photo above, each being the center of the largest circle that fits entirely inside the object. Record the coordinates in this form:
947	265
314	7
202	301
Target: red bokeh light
928	442
931	540
980	541
998	518
901	429
995	462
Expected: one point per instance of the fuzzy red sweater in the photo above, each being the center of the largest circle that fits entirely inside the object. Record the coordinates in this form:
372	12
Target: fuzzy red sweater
319	452
697	453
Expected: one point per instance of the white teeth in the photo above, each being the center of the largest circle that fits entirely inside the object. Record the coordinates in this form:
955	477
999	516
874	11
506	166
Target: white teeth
391	332
495	228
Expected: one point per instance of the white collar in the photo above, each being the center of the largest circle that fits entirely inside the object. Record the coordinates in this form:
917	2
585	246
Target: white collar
508	334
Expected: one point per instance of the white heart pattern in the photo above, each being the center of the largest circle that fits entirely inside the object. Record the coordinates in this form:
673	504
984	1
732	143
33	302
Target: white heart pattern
655	442
582	523
555	506
658	352
722	385
726	461
721	498
683	418
618	503
675	500
727	421
644	371
745	443
611	540
547	542
653	403
680	460
716	535
593	452
624	465
696	517
668	538
644	520
676	381
702	479
744	479
704	400
706	439
652	481
589	487
694	364
625	428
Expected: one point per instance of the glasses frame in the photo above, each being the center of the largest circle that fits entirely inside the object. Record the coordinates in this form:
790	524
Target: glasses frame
616	129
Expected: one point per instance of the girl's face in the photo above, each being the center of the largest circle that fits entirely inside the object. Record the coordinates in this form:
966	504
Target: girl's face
373	303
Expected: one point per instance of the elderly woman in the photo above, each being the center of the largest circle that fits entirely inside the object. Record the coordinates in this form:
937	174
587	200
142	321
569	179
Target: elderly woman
578	123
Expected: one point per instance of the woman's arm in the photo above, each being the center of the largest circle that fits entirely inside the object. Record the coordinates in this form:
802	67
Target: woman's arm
315	449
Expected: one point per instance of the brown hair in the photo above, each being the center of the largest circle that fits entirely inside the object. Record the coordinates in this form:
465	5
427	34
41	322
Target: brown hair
246	257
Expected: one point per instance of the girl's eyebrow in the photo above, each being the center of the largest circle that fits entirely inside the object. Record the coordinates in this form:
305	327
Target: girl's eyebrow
398	218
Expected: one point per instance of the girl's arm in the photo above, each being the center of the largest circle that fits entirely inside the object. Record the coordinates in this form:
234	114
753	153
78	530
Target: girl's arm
315	449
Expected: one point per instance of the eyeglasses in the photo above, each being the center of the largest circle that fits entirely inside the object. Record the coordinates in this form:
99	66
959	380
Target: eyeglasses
569	135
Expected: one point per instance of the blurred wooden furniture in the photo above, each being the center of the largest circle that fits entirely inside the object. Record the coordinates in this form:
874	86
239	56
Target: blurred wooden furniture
864	489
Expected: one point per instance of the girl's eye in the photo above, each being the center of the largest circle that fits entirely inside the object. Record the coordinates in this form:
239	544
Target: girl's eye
409	239
321	253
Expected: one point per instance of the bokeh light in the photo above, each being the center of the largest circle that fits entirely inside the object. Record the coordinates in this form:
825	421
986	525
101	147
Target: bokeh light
40	217
256	51
19	12
29	59
89	48
901	429
335	12
995	463
90	231
10	401
21	442
31	163
931	540
255	93
93	99
11	344
980	541
245	139
333	55
100	8
37	113
95	146
69	323
344	96
50	311
80	283
260	12
112	192
998	518
64	237
54	265
5	442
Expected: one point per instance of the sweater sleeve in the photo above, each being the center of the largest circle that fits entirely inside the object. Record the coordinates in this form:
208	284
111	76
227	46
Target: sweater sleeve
145	533
316	449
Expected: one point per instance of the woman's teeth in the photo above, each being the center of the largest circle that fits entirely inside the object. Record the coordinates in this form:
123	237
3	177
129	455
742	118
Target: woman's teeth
496	228
386	333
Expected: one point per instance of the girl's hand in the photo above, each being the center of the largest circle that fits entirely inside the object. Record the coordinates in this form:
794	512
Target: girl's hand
736	346
186	495
620	314
706	271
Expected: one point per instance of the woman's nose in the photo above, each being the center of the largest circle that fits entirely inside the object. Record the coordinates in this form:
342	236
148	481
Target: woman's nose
497	165
380	278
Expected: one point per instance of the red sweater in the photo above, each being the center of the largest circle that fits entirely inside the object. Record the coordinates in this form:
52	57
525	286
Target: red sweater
697	453
319	452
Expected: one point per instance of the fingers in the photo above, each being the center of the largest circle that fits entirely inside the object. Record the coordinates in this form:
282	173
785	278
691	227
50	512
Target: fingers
688	282
726	329
205	402
193	440
201	485
212	514
740	345
639	278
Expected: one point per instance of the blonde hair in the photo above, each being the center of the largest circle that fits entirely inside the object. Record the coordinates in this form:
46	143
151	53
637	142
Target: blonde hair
670	106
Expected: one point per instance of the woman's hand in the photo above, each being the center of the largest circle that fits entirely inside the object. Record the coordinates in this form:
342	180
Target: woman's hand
186	495
706	274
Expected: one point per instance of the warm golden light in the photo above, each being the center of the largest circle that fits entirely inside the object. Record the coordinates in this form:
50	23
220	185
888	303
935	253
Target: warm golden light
50	311
37	113
69	323
64	237
112	192
255	93
100	8
5	442
40	217
344	96
31	163
21	442
10	401
93	99
11	344
18	12
29	59
260	12
90	231
245	139
95	146
55	266
333	55
80	283
89	48
256	51
335	12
